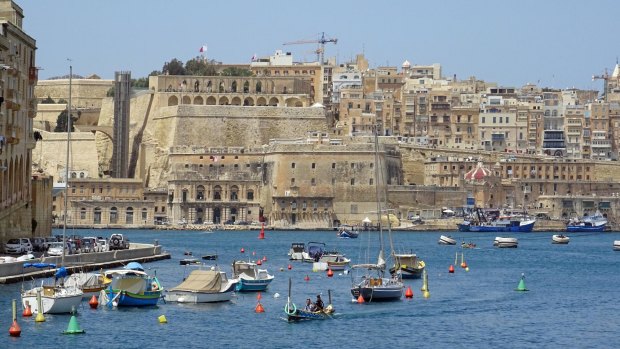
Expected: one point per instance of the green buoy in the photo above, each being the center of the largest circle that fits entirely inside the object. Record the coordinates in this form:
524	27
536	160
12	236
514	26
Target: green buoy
74	327
521	287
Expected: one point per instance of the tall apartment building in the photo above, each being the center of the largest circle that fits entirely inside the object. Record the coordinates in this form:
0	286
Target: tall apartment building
18	75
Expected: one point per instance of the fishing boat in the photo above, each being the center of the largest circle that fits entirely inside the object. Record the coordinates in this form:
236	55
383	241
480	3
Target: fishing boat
188	261
560	239
468	244
298	252
495	221
131	287
251	278
446	240
347	232
210	257
340	263
505	242
91	284
617	245
203	286
56	298
368	281
408	265
594	223
295	314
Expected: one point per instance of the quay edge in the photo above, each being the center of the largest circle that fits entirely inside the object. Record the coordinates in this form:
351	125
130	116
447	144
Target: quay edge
15	272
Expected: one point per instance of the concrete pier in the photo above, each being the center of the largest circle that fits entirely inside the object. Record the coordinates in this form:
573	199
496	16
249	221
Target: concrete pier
15	271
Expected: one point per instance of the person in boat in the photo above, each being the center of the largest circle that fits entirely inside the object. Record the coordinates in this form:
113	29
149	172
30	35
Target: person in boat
309	305
319	303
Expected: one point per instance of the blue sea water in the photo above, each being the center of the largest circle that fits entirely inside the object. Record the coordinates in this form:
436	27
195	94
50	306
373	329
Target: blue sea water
572	302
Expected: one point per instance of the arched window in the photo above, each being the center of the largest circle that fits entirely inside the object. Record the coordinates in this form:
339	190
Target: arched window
113	215
250	195
259	87
145	214
97	215
200	192
129	215
234	193
83	213
233	86
246	87
217	193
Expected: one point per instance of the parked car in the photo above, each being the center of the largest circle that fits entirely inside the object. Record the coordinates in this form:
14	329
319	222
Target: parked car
105	246
55	248
18	246
90	244
229	222
38	244
118	242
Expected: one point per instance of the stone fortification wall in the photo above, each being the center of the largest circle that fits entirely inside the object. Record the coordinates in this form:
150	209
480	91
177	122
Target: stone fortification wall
42	204
84	92
50	154
606	171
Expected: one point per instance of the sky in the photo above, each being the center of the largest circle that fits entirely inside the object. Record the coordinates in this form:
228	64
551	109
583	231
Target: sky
553	43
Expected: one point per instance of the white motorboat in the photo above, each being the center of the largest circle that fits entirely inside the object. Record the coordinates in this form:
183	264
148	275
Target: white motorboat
446	240
560	239
203	286
298	252
504	242
617	245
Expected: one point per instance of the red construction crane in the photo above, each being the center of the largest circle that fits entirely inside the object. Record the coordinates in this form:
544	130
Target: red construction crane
320	50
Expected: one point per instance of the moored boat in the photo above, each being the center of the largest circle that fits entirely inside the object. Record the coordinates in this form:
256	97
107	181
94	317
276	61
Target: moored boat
297	252
594	223
294	314
617	245
131	287
506	242
468	244
56	298
446	240
91	284
560	239
495	221
251	278
188	261
408	265
340	263
347	232
203	286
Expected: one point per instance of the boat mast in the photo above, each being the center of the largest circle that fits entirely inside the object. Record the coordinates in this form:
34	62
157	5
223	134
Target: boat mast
64	224
381	258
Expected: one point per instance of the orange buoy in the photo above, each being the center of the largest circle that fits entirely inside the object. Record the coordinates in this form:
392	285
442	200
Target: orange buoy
242	250
451	269
307	278
27	312
93	302
360	299
264	258
261	235
15	330
259	262
290	267
463	265
258	296
409	292
259	308
330	273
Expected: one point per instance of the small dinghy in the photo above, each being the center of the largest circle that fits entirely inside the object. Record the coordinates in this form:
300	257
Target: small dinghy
560	239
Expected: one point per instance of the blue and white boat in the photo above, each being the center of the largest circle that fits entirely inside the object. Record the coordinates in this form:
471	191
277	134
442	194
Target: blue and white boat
348	232
250	277
131	287
491	221
594	223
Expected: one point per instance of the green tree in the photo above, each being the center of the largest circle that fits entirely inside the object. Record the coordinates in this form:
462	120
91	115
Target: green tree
61	122
174	67
110	92
140	83
62	101
234	71
48	100
200	67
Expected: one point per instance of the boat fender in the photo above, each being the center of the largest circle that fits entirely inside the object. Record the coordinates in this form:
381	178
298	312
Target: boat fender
287	308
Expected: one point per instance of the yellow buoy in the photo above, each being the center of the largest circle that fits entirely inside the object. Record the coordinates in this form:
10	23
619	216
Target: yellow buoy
162	319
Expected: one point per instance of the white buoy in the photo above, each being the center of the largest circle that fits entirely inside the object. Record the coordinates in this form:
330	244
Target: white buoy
276	295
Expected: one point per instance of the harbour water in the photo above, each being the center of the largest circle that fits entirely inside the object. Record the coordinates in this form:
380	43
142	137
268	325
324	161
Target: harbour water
572	302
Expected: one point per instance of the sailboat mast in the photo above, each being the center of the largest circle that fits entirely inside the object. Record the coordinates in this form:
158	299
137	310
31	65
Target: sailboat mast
64	224
378	192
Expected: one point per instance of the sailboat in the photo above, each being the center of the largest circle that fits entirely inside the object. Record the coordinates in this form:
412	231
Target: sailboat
373	285
56	298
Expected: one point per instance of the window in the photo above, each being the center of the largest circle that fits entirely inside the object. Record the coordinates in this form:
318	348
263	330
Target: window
352	181
82	213
333	165
293	165
129	215
313	182
313	165
144	214
371	181
250	195
113	215
292	181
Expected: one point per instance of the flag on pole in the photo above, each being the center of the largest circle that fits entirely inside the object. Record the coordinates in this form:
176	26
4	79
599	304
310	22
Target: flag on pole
254	57
203	49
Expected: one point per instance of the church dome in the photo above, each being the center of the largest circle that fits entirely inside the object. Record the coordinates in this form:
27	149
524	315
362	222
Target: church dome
477	174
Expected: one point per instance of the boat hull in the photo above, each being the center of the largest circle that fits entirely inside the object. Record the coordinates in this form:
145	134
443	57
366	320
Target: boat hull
345	234
303	315
408	272
617	245
506	242
446	240
523	228
199	297
378	294
560	239
128	299
253	285
585	229
52	304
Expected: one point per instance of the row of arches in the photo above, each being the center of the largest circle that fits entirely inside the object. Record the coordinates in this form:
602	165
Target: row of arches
236	101
217	194
230	85
14	181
